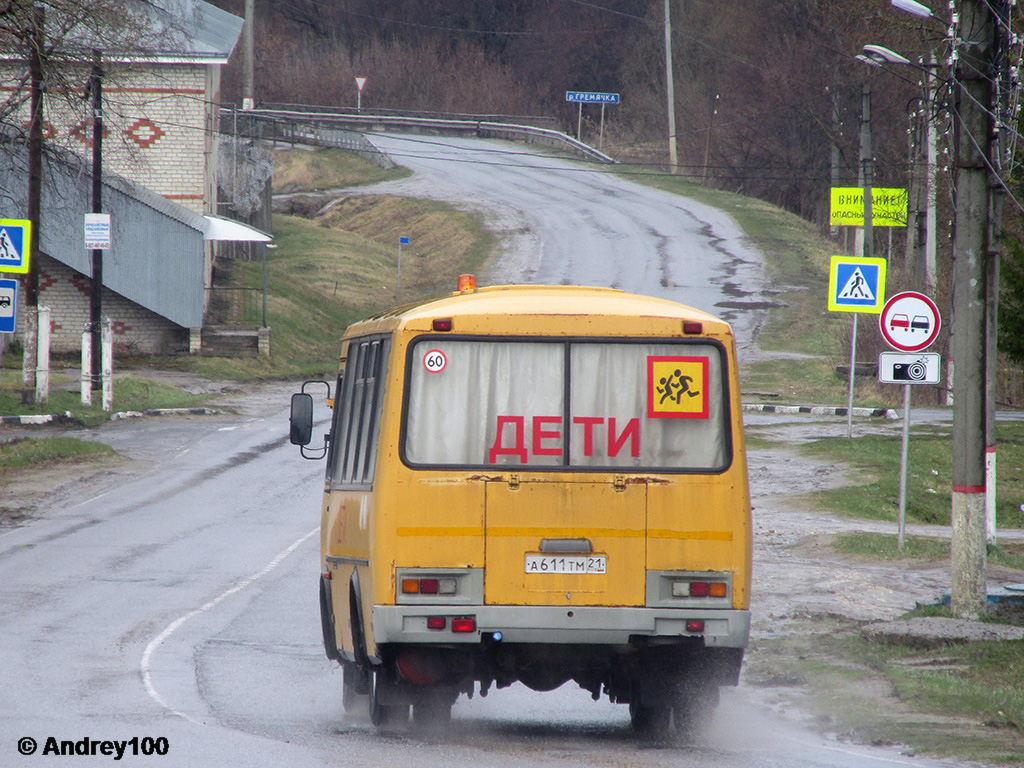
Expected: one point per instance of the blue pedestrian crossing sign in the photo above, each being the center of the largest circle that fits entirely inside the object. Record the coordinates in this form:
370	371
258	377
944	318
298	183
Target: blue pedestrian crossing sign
856	285
15	242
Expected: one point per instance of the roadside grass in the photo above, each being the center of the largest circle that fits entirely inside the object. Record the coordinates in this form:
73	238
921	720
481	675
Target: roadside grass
131	393
964	700
802	381
22	456
315	170
25	452
876	458
884	546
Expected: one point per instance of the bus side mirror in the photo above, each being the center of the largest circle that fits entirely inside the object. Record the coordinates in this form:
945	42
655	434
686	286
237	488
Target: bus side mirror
301	419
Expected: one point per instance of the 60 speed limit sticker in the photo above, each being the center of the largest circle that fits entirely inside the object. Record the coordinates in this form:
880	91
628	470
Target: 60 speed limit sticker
435	361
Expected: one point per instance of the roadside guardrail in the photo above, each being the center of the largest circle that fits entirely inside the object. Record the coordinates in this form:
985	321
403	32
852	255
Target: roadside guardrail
347	130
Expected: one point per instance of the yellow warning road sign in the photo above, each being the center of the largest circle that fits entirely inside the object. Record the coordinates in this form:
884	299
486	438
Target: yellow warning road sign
888	207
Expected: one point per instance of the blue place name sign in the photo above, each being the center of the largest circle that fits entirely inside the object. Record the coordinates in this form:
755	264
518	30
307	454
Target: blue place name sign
592	97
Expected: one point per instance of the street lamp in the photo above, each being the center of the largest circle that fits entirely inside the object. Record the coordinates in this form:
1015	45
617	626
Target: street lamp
871	54
910	6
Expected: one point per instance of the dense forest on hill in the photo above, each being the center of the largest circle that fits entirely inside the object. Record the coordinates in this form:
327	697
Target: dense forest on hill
763	88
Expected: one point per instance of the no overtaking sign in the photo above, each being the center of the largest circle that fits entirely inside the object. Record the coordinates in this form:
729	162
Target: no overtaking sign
910	321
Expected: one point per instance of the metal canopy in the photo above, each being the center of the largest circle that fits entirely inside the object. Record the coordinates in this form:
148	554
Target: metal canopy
220	228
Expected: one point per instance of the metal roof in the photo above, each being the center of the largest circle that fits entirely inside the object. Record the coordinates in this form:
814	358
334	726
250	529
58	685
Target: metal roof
156	257
199	30
169	32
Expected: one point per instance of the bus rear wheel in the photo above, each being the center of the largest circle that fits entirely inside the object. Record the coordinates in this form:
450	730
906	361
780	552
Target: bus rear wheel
383	714
650	720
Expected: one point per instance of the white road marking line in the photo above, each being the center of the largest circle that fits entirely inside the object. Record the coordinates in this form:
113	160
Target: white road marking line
170	629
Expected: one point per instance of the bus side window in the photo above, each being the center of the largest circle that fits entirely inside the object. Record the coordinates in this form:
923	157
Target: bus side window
336	420
372	412
359	424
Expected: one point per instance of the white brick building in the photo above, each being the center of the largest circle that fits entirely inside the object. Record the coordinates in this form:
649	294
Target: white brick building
160	120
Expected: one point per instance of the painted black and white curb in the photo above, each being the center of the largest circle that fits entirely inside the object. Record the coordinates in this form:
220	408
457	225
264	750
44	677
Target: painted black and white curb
821	410
67	418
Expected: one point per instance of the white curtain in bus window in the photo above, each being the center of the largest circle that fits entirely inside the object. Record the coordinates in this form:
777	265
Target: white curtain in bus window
647	405
463	392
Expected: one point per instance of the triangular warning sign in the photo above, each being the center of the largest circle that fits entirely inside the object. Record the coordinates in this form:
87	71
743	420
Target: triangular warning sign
7	249
857	288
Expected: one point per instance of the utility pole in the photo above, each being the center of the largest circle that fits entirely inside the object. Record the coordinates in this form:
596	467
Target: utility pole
35	187
973	249
673	156
248	66
867	170
920	252
931	194
707	143
836	157
867	251
96	286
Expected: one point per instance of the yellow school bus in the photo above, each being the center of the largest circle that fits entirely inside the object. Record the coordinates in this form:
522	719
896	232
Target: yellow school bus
535	484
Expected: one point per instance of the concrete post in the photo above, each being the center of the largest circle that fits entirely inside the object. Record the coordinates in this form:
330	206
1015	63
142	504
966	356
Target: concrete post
670	88
86	380
107	375
43	356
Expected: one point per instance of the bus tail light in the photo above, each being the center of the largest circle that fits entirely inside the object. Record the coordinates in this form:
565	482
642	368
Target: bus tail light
695	625
442	324
699	589
693	328
439	586
436	622
464	624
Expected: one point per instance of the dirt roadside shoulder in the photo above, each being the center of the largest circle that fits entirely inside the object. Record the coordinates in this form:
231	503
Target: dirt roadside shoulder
815	610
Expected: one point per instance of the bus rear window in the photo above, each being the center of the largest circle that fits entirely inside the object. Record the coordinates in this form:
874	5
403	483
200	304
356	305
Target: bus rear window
566	404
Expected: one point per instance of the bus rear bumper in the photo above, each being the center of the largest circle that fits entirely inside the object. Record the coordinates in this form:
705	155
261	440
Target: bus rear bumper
579	625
